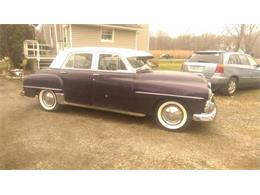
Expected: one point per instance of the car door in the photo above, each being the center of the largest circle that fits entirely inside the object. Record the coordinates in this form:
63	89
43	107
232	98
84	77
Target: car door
235	68
245	71
77	76
113	84
255	69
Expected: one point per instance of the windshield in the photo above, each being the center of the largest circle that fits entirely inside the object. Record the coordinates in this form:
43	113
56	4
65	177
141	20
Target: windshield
141	62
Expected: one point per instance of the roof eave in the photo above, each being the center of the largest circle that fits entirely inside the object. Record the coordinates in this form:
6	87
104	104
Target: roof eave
116	27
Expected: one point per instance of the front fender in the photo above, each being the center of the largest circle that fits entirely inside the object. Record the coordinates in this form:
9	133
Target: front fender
148	94
32	84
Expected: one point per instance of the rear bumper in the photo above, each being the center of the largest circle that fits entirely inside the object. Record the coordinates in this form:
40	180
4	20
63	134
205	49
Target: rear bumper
209	114
217	81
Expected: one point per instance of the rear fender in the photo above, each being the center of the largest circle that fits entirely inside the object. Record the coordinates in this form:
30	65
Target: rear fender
34	83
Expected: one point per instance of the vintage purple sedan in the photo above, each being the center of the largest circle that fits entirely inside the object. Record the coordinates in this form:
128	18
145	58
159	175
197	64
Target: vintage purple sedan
121	80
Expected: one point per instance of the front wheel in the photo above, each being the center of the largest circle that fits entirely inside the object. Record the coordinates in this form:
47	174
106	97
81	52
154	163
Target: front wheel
172	116
48	100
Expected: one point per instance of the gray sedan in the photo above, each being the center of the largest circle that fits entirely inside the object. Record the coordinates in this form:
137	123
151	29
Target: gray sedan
226	71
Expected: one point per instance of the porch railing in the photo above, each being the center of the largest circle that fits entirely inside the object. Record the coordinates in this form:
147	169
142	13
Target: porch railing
35	50
39	51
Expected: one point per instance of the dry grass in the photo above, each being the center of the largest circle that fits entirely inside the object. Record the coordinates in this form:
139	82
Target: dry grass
174	64
181	54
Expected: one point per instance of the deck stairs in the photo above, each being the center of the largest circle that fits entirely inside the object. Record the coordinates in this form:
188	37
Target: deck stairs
44	54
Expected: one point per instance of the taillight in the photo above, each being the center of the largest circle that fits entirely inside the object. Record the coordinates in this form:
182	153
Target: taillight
220	68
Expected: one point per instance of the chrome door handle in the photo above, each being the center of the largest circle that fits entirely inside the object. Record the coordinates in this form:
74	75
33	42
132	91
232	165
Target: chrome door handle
95	75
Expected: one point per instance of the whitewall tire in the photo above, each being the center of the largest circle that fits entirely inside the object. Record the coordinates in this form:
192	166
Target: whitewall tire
172	115
48	100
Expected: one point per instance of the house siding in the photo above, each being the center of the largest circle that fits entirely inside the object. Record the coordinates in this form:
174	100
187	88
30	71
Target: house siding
46	33
143	38
89	36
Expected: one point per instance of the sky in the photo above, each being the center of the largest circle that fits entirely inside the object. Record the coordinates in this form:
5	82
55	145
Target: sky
195	29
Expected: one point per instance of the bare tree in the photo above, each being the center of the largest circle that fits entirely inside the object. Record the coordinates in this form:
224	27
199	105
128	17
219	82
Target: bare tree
163	40
236	37
252	33
237	32
242	36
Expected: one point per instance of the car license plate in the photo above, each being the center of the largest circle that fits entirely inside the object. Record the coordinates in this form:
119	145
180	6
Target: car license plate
196	68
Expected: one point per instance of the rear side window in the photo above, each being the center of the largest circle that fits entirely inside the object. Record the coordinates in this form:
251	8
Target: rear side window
206	58
243	60
234	59
110	62
82	61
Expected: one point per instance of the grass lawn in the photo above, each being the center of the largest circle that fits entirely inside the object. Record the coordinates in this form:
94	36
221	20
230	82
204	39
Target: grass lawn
174	64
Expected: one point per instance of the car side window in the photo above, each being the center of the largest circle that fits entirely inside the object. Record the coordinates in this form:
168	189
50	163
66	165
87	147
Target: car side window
251	60
244	60
233	59
82	61
110	62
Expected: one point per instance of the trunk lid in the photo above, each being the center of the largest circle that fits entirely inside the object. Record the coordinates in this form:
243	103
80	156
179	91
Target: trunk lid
204	63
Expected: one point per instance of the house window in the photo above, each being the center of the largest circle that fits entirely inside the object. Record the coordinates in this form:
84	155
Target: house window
107	35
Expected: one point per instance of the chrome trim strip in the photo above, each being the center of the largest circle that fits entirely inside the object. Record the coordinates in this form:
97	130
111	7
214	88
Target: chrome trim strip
170	95
105	109
34	87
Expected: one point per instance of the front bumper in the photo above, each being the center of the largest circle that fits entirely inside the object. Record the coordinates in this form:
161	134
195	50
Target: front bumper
210	112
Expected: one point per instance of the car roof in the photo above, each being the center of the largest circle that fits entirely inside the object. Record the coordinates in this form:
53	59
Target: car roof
208	52
120	51
59	60
218	51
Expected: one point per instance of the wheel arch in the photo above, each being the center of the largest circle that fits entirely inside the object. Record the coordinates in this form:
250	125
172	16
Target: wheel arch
236	77
188	104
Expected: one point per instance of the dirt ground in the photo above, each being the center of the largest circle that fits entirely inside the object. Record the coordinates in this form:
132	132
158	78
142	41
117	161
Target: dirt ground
76	138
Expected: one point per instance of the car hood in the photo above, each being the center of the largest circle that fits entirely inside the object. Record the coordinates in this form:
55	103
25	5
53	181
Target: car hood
173	82
174	76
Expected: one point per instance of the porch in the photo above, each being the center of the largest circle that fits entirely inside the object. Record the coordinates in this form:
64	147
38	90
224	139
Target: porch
42	53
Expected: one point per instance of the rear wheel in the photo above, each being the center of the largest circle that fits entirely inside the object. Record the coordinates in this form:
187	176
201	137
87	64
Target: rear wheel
172	115
231	87
48	100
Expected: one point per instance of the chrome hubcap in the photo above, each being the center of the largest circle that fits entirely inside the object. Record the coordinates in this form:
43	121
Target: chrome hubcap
232	86
48	99
172	114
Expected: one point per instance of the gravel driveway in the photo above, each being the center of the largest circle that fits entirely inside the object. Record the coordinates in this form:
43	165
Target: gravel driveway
76	138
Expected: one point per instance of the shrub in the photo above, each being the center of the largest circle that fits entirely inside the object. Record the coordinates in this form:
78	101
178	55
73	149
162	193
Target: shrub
12	37
5	64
